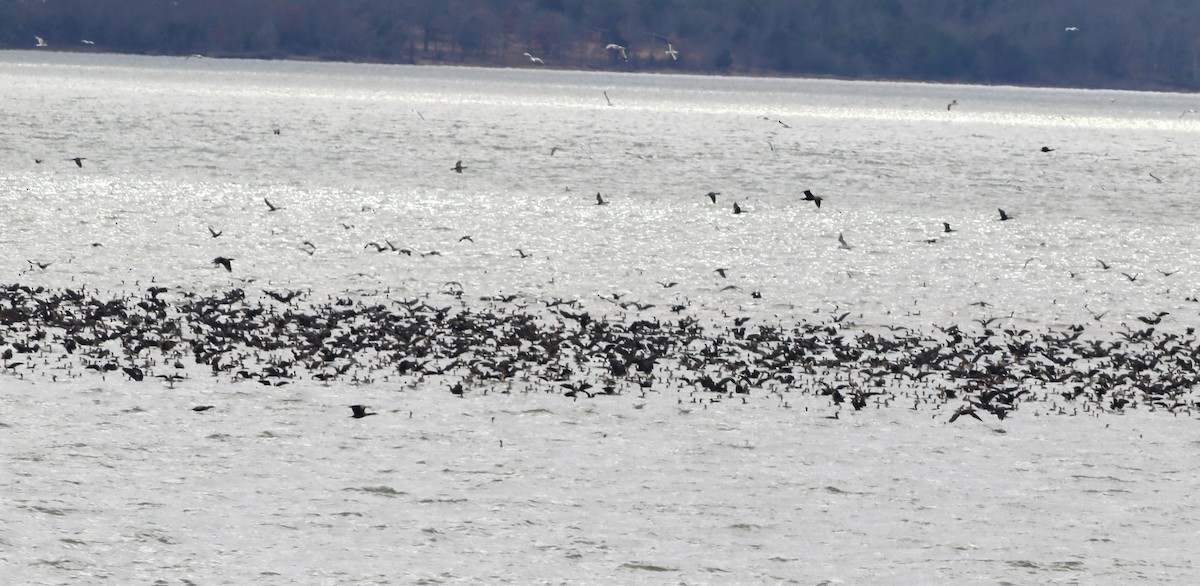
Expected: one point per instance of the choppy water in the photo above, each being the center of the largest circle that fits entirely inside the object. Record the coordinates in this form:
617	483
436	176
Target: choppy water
112	481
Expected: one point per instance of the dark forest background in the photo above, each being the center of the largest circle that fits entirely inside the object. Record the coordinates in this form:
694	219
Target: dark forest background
1144	44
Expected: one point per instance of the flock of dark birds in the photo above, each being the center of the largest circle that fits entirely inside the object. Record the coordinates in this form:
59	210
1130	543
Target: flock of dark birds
559	346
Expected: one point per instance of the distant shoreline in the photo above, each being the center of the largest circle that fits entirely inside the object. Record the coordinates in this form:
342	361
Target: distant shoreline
521	64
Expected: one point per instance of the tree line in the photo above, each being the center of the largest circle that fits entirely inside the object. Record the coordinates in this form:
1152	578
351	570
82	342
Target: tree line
1149	44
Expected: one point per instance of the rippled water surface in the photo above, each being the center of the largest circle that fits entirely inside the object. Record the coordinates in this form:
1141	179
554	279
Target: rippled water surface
108	480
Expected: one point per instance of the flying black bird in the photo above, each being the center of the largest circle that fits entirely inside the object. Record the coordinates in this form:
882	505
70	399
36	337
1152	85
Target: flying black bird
458	167
736	208
1103	264
965	410
467	238
843	244
1003	215
947	229
225	262
282	297
523	253
808	196
214	232
720	272
78	161
599	200
270	206
360	411
713	195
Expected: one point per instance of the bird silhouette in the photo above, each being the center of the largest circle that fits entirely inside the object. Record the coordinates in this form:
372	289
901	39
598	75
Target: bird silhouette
1003	216
533	59
270	206
713	195
672	52
947	229
225	262
965	410
360	411
214	232
809	196
78	161
599	200
736	208
1047	149
843	244
458	167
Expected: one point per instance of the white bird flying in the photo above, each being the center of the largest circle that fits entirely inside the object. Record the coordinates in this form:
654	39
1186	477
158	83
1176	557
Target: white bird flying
41	42
537	60
1072	29
672	52
87	42
616	47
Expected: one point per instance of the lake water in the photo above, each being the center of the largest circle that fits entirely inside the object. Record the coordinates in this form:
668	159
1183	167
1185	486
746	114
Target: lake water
110	480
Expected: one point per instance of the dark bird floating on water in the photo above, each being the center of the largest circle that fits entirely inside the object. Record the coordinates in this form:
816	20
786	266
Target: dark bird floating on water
360	411
199	408
599	200
1047	149
225	262
458	167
